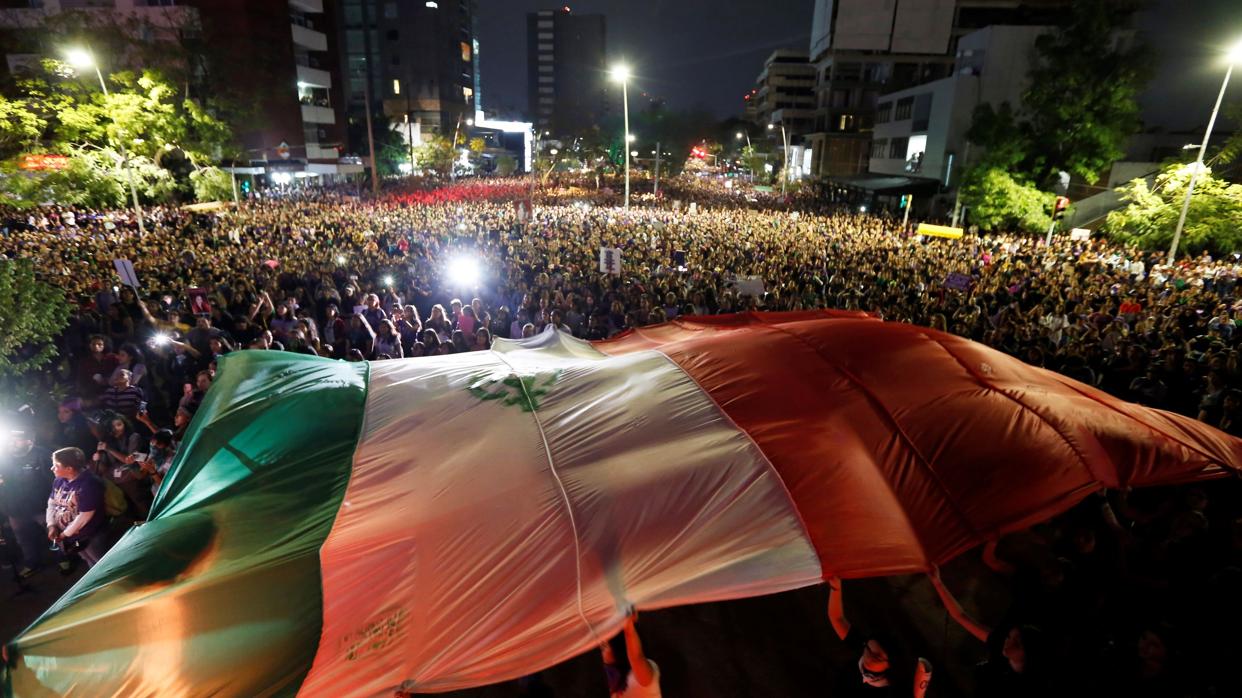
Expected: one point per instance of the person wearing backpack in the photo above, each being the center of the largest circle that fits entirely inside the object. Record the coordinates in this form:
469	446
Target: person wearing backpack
77	517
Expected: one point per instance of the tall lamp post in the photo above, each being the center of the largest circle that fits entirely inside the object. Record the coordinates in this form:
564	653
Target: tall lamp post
785	142
621	73
1234	57
81	59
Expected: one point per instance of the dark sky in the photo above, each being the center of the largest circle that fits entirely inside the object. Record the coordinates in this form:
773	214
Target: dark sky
708	52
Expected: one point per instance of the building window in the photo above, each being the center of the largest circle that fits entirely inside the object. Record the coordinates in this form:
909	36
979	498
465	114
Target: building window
904	106
396	86
465	52
467	94
840	99
433	4
845	122
545	48
883	113
545	68
546	79
848	71
879	148
545	36
897	148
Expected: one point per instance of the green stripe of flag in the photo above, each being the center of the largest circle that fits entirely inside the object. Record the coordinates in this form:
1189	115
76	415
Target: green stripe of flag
219	593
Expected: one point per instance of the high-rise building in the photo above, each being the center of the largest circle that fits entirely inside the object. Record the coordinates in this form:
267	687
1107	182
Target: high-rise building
567	75
784	92
862	49
417	58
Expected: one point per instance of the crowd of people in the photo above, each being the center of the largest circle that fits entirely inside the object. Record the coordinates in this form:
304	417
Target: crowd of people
356	279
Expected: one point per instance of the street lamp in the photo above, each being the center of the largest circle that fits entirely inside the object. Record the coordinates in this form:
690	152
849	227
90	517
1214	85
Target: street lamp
621	73
1232	58
746	135
785	142
82	59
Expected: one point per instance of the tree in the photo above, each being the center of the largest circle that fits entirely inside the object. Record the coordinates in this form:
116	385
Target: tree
87	180
20	127
754	162
436	154
506	165
212	184
32	314
1080	105
142	128
1149	216
999	201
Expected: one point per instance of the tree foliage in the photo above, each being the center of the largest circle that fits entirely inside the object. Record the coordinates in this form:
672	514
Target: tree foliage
999	201
212	184
506	165
436	154
1080	105
1149	216
32	314
141	128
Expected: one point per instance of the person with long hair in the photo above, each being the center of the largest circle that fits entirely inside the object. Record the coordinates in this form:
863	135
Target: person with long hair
387	341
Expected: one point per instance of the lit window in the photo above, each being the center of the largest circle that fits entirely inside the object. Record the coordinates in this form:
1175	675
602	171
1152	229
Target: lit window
467	93
396	86
432	4
465	52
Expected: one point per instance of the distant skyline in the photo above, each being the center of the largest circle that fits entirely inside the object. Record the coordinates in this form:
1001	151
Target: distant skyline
707	53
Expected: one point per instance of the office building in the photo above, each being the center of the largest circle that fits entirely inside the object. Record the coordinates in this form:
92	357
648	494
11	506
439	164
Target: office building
417	58
567	72
920	132
784	92
862	49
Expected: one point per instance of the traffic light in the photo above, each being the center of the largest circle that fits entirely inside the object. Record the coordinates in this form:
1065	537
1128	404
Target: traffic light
905	201
1058	209
245	186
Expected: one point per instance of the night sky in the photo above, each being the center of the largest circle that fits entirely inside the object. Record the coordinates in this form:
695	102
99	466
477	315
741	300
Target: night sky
707	53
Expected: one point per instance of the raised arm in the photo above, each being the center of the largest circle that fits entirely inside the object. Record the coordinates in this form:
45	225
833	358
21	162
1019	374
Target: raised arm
639	666
836	608
955	609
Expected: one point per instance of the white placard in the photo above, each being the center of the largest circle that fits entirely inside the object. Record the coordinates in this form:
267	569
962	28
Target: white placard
610	260
125	270
1080	234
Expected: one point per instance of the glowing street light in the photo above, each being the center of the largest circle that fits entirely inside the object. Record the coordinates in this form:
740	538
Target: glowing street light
83	59
1233	57
621	73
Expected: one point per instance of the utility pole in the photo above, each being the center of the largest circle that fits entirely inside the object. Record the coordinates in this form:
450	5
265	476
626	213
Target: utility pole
409	125
366	101
656	190
905	218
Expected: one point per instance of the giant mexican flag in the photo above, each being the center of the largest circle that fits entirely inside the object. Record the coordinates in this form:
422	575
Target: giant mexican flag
338	529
